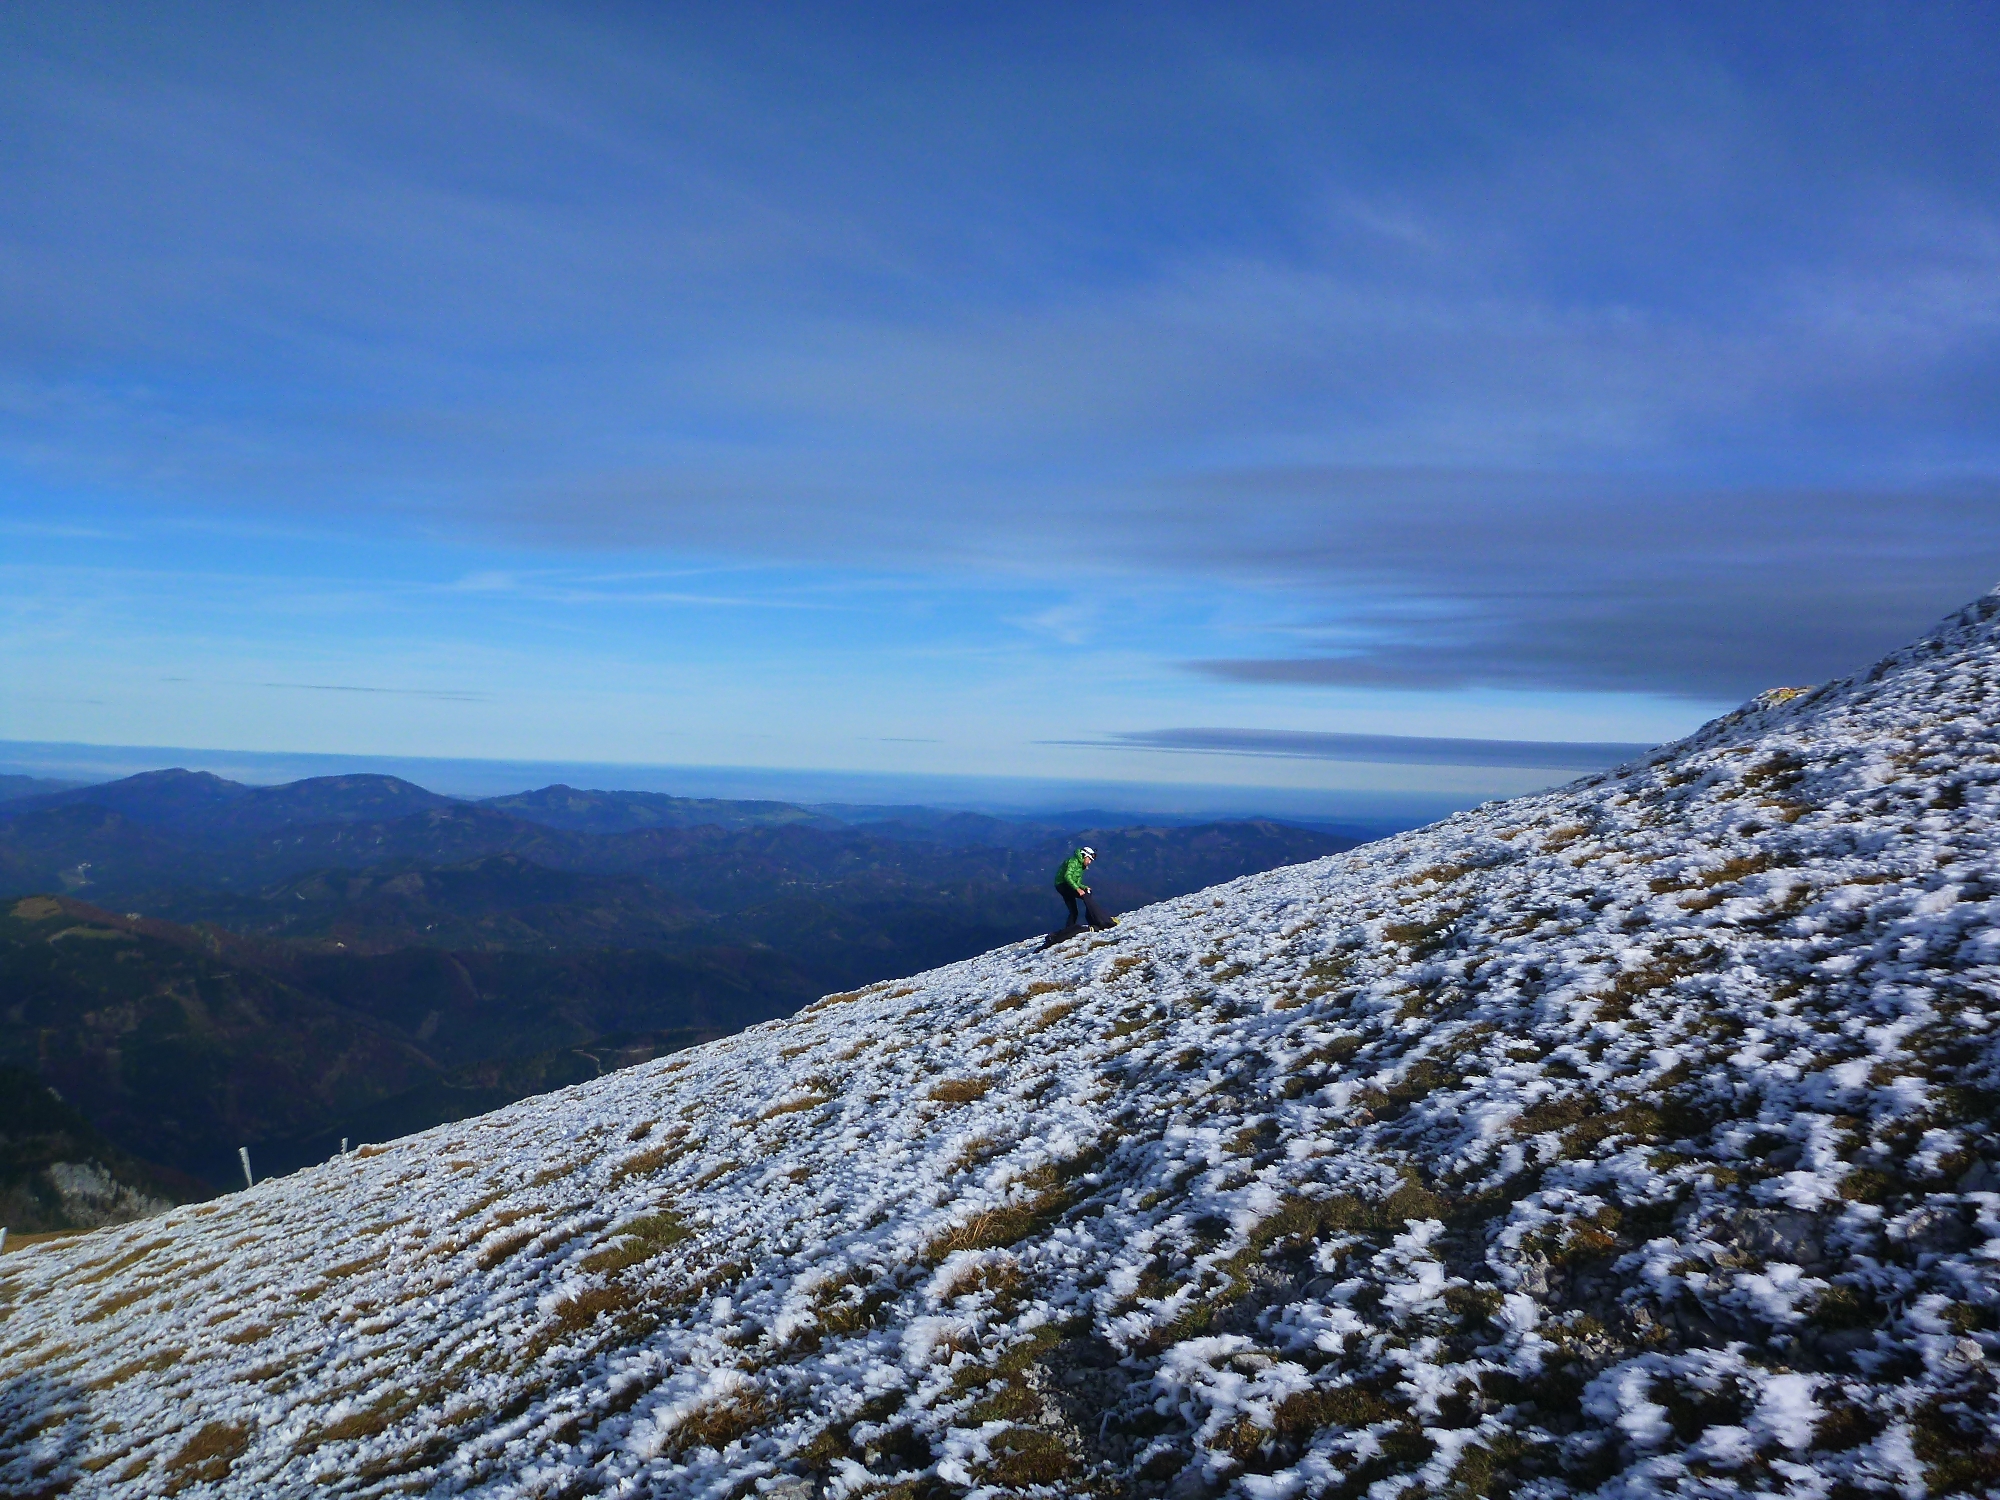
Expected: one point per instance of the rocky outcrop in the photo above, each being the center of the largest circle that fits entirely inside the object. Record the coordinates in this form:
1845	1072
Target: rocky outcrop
58	1172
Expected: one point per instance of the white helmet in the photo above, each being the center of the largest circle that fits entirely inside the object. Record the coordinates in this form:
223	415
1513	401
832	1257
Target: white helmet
1087	852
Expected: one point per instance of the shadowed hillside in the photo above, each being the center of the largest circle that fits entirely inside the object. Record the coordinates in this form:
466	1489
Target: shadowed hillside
183	1044
57	1171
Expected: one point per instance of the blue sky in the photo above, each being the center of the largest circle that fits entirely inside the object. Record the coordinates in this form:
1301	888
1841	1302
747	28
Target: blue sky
1148	393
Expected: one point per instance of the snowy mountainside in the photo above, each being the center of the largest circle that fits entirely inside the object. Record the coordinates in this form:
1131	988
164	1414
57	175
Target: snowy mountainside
1632	1138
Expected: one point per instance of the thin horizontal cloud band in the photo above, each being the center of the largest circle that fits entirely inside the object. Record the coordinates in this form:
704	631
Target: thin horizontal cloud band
1386	749
447	695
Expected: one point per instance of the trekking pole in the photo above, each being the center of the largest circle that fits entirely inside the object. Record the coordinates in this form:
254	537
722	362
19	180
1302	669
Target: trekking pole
244	1153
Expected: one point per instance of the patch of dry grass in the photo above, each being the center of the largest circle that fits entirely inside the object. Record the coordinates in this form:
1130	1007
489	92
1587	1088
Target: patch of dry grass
41	1237
628	1310
1422	937
1025	1457
720	1425
369	1421
994	1228
1303	1413
1658	973
357	1265
1441	874
646	1163
207	1457
794	1106
1003	1278
103	1461
504	1248
1732	870
848	1304
614	1300
152	1364
1324	974
639	1241
478	1205
1050	1016
961	1090
116	1302
95	1271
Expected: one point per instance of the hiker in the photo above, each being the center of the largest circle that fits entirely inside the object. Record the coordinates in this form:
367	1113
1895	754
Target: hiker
1069	884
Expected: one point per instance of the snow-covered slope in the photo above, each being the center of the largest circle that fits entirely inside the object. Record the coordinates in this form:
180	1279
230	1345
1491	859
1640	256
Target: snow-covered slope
1637	1137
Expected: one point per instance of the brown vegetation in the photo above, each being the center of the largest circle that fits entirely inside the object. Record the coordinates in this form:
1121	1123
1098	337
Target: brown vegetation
961	1090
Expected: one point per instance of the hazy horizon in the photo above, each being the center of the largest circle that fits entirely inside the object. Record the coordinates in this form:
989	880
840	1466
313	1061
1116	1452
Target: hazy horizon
1020	796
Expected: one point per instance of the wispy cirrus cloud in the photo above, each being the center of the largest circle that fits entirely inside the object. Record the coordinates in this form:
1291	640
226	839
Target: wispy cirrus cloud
1379	749
1453	580
442	695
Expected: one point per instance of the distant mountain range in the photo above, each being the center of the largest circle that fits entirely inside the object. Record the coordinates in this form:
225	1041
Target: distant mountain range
627	812
199	965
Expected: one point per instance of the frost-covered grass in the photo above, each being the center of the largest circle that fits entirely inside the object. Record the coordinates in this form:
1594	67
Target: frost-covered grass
1636	1137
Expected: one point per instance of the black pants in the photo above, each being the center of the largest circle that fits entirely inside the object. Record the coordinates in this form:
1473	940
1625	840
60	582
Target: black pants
1091	909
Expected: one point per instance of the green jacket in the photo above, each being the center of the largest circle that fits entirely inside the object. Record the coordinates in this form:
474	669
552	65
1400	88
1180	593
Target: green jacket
1071	874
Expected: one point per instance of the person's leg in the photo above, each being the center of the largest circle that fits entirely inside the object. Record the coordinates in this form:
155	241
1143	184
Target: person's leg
1069	900
1095	912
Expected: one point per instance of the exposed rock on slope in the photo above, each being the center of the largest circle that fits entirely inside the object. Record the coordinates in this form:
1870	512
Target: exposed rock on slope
1635	1137
58	1172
